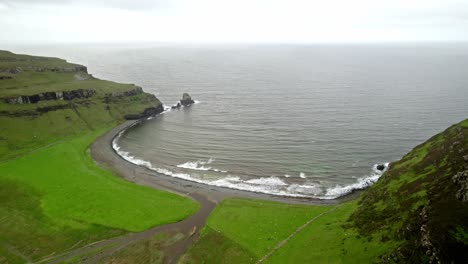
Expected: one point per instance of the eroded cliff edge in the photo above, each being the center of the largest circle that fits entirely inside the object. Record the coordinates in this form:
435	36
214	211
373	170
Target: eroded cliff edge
44	99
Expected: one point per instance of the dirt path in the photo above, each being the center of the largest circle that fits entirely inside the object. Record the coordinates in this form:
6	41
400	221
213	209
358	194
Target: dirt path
94	252
282	243
207	196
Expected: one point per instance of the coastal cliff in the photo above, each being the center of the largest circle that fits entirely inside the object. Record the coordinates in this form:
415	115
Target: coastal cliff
43	99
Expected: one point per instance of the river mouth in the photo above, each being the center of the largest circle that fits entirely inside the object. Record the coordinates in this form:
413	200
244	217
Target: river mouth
206	172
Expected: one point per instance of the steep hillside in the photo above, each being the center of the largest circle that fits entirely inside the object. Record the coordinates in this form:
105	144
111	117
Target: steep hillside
43	100
421	202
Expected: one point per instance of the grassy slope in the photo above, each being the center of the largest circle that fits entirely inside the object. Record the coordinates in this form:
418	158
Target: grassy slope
148	251
418	193
24	127
55	197
243	231
384	224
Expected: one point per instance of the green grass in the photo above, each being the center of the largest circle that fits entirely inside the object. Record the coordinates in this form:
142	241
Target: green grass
59	190
327	241
243	231
148	251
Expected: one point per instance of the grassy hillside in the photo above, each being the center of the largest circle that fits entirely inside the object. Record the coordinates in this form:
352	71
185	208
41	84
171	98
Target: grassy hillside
416	213
53	197
421	201
29	126
244	231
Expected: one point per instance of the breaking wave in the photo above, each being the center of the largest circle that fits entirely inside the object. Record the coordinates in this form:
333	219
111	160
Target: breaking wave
267	185
362	183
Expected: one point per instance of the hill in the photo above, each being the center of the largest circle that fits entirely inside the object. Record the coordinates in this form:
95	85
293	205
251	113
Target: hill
422	202
53	197
43	100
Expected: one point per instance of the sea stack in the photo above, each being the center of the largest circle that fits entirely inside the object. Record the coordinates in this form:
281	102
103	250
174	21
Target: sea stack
186	100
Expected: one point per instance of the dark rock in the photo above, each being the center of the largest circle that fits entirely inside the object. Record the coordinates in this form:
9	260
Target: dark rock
80	93
186	100
137	90
178	105
67	95
380	167
148	112
16	70
6	77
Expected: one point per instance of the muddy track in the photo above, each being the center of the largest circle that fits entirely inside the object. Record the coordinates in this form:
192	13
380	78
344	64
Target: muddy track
207	196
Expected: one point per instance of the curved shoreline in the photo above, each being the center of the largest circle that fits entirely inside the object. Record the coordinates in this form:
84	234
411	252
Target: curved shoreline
103	153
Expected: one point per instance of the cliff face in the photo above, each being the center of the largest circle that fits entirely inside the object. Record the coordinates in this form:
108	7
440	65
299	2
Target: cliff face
421	202
44	99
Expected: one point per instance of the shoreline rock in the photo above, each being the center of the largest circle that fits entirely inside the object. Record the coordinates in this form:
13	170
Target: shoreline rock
186	100
380	167
148	112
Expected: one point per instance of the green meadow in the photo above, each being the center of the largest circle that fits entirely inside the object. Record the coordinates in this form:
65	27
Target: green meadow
57	197
244	231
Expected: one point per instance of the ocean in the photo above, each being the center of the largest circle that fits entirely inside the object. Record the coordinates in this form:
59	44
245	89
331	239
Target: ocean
293	120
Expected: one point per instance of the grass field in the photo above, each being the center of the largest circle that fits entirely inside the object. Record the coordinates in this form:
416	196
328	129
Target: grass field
243	231
59	195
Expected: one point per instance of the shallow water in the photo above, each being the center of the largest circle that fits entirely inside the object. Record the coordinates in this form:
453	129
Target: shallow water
290	120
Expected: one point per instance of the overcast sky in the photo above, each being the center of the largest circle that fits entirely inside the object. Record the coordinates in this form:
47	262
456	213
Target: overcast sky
277	21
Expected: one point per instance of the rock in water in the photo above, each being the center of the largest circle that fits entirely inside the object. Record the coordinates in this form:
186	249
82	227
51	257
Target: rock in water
176	106
186	100
381	167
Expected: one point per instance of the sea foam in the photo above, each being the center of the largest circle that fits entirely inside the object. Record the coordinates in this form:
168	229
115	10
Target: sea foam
267	185
362	183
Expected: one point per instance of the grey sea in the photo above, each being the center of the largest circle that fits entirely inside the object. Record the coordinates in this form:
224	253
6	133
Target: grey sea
292	120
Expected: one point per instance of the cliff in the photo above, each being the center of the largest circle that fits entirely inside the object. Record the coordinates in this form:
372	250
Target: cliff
45	99
421	202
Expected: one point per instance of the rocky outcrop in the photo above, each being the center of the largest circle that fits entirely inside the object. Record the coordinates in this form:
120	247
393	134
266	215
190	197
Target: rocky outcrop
80	93
6	77
461	181
137	90
148	112
65	95
186	100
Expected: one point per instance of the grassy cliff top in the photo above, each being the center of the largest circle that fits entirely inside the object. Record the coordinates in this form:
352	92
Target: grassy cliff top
28	75
26	126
